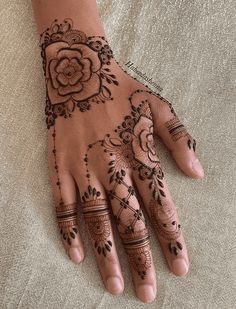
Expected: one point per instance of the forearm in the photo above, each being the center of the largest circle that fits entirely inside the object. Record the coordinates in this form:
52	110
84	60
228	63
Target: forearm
83	13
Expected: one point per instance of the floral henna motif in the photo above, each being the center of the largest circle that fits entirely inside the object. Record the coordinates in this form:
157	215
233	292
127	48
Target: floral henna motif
75	69
96	213
67	221
177	130
134	148
164	218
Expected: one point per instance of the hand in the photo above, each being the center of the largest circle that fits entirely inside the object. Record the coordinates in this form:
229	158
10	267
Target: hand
101	123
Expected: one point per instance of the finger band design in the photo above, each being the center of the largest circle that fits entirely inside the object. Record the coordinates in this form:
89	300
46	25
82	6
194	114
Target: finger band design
176	129
67	221
96	215
138	251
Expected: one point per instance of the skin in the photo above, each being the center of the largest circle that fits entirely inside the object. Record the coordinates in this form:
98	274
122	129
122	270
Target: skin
70	139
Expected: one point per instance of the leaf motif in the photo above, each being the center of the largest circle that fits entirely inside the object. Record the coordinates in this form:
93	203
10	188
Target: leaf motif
90	190
72	235
94	191
122	172
162	193
75	230
179	245
107	247
111	169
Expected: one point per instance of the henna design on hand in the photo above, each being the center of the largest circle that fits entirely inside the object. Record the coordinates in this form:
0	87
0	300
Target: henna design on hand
67	221
132	147
96	213
138	250
177	130
164	218
135	148
75	69
135	241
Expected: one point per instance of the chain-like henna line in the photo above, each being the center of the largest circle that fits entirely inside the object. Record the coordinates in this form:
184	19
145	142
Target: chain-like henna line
58	182
76	70
96	213
150	91
67	221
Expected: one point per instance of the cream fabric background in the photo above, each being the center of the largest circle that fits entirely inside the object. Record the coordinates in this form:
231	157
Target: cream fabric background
188	48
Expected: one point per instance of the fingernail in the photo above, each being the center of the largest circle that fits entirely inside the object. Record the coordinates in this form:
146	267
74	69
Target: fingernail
197	167
145	293
114	285
179	267
75	255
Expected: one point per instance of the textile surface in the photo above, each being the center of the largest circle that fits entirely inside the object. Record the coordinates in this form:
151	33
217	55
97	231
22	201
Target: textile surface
188	49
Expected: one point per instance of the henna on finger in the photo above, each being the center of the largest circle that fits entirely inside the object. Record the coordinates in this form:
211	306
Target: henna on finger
67	221
164	219
137	247
97	218
129	220
177	130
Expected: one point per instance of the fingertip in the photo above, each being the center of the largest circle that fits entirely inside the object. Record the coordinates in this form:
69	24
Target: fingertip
76	255
197	169
179	267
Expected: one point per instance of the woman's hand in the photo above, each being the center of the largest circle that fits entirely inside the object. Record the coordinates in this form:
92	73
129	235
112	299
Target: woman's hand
101	126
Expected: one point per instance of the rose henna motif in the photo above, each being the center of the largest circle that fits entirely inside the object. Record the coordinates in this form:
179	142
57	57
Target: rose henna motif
135	148
75	69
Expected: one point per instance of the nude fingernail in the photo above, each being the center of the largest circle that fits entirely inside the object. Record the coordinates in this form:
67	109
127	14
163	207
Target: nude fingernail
145	292
75	255
179	267
114	285
197	167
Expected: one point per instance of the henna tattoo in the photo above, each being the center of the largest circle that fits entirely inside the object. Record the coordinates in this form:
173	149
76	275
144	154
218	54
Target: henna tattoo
164	218
132	147
96	213
56	167
191	143
135	148
138	250
177	130
128	220
67	221
75	70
